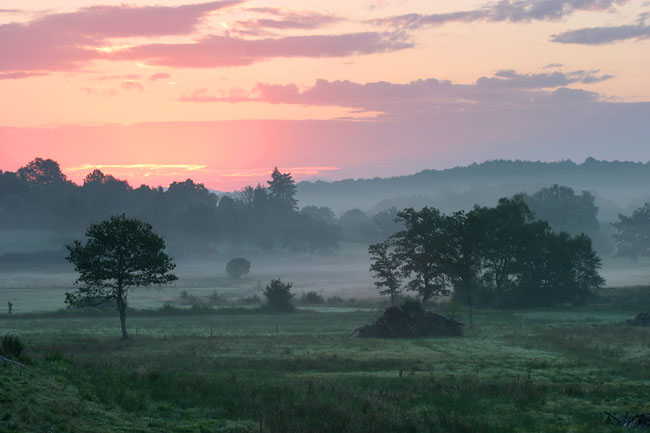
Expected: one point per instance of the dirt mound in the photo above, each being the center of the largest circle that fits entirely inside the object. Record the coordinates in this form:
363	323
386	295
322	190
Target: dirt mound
397	323
641	319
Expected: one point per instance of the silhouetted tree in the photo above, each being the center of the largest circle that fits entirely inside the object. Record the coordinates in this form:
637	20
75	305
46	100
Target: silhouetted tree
420	248
282	189
119	254
385	267
356	226
322	213
385	222
633	233
505	229
42	172
238	267
278	296
565	210
585	263
307	236
462	255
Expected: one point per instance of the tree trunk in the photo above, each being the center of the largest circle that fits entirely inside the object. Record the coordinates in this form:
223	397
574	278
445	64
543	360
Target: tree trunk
121	307
471	319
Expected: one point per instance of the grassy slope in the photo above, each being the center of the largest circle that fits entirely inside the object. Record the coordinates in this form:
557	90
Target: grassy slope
515	373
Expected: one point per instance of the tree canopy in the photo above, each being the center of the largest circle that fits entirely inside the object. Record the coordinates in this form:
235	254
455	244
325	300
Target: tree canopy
119	254
498	256
238	267
633	233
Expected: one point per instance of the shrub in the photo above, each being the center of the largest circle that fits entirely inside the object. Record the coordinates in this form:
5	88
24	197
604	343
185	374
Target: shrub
238	267
278	296
312	298
11	347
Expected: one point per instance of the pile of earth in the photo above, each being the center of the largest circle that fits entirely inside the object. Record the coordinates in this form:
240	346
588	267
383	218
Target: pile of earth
641	319
399	323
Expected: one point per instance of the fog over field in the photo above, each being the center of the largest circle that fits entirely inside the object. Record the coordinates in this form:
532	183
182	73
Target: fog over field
35	274
368	216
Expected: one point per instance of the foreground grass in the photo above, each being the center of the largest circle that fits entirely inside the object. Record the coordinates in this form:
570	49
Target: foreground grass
533	372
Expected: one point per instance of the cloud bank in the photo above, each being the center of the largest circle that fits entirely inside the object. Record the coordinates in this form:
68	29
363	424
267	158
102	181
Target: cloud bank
506	88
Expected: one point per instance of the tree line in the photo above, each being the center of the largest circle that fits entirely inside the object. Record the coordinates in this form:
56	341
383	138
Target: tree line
195	220
191	217
498	256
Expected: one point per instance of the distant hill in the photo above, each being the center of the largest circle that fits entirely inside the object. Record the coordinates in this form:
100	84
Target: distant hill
618	184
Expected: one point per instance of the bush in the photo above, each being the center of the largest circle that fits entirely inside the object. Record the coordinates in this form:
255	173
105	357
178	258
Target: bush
278	296
238	267
11	347
312	298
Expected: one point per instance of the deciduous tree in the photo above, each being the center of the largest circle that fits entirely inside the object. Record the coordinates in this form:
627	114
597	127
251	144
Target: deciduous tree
385	268
119	254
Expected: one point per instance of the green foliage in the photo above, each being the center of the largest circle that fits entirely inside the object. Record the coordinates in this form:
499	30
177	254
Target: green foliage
564	210
282	189
385	268
633	233
278	296
420	249
192	218
238	267
119	254
491	256
312	298
12	347
309	236
40	172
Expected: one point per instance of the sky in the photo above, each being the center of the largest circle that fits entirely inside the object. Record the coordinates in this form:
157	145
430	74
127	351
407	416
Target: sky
224	91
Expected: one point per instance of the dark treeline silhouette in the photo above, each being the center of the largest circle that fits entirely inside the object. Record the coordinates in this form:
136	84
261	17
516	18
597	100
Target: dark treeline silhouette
500	256
195	220
192	218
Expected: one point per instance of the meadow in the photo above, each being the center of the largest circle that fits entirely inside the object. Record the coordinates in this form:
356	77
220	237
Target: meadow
527	371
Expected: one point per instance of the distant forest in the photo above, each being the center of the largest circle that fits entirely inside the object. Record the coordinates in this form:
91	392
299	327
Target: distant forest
268	217
617	186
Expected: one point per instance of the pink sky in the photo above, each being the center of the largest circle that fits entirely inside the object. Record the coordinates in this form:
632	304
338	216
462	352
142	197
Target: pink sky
224	91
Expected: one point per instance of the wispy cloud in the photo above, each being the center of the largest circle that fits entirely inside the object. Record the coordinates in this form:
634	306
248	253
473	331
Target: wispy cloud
222	51
159	76
86	167
132	85
503	10
283	19
18	75
603	35
198	172
118	77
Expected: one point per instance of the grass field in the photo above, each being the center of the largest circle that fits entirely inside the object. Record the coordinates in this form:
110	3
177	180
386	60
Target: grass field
541	371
